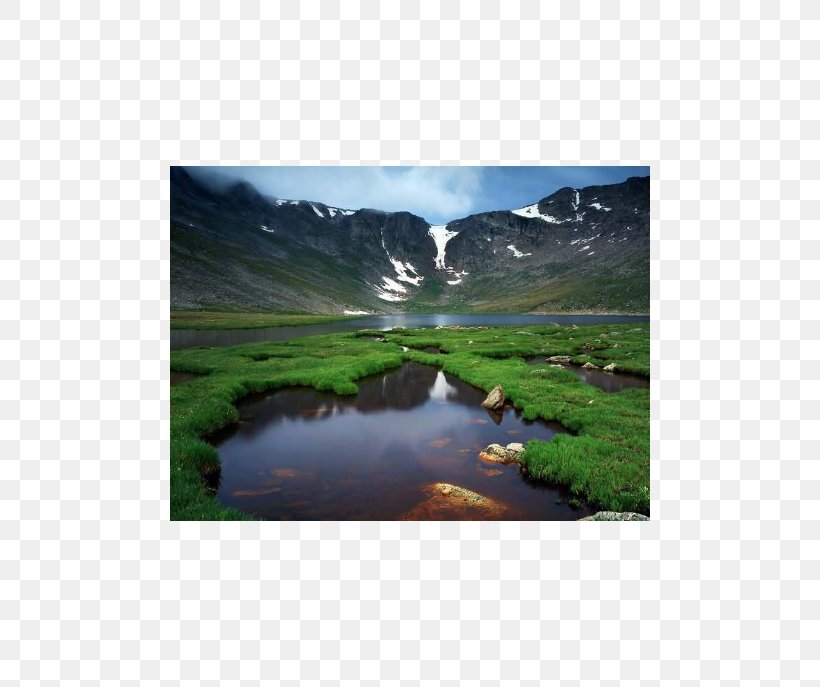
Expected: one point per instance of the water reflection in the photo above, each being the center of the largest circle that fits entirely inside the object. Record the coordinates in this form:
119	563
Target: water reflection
606	381
303	454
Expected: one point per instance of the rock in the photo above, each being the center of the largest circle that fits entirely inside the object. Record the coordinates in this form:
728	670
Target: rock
495	453
589	366
615	345
495	399
450	502
516	447
606	515
559	358
588	346
526	333
610	368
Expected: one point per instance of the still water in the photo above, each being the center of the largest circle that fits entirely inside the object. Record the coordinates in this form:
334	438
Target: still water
183	338
605	381
303	454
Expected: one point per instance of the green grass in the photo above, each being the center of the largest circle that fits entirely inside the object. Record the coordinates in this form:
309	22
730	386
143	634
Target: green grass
204	319
605	462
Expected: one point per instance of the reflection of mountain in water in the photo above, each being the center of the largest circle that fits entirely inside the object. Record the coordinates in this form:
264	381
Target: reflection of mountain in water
405	388
301	453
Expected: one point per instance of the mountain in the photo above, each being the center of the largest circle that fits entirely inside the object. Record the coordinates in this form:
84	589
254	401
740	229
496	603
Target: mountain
575	250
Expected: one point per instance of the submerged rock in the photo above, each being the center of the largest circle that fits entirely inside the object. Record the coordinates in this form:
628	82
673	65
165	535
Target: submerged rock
448	501
606	515
495	399
495	453
589	366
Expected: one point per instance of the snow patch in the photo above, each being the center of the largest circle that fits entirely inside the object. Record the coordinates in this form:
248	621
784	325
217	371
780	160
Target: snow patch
332	212
592	252
392	285
356	312
401	271
316	210
575	204
441	236
264	228
532	212
587	240
598	206
389	290
454	282
583	249
388	296
517	253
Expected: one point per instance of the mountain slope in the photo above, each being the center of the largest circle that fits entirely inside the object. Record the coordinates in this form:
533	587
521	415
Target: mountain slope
578	249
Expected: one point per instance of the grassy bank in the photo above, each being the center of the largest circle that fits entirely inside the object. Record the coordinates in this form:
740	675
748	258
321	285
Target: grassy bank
203	319
605	462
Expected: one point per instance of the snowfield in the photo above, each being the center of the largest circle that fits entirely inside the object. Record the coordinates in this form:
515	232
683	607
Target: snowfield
441	236
532	212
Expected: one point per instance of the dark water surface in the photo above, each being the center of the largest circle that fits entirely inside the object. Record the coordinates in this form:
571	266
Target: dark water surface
304	454
183	338
181	377
606	381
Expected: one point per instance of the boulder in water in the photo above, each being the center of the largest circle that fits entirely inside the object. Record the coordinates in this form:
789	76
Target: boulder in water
495	399
589	366
495	453
610	368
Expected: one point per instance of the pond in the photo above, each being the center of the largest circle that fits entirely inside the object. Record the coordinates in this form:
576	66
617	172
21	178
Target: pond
606	381
183	338
302	454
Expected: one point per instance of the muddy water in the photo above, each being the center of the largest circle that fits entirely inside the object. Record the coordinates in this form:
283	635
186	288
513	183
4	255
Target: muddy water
606	381
304	454
182	338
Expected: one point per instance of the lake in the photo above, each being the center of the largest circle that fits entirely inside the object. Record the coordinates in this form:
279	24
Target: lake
302	454
184	338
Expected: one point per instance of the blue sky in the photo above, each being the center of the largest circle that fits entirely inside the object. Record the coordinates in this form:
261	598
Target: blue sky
439	194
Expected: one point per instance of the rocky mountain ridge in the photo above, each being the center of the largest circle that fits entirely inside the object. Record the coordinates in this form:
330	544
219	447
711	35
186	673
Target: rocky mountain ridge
577	249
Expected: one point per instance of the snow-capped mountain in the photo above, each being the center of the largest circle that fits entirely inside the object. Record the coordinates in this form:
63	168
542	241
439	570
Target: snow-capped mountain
578	249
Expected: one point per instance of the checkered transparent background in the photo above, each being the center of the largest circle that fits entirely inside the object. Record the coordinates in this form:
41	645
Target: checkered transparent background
99	98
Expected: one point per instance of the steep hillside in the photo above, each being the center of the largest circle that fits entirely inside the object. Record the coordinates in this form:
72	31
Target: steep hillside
578	249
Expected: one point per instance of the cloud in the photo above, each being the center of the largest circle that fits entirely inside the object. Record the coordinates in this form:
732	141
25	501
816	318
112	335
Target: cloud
439	194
